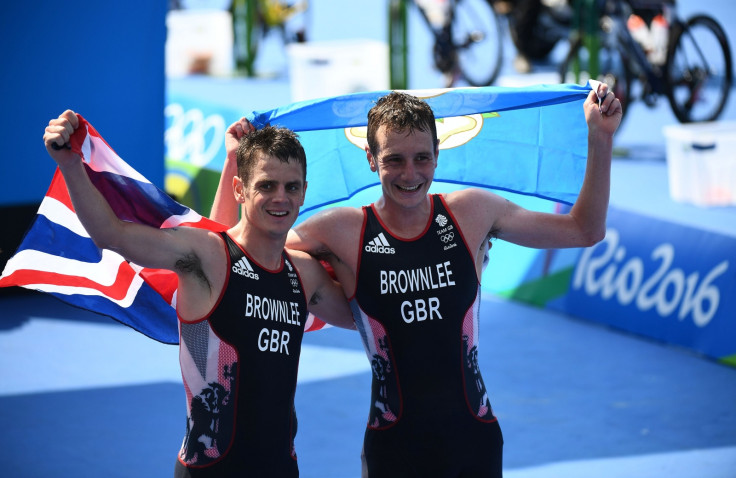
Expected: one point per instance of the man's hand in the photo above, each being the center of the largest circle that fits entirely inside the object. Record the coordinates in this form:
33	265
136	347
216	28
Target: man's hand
225	208
233	134
56	138
603	110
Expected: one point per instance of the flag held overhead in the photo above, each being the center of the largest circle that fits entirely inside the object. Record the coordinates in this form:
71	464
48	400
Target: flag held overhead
527	140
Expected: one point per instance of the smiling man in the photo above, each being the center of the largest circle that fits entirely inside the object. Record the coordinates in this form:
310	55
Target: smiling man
411	264
242	302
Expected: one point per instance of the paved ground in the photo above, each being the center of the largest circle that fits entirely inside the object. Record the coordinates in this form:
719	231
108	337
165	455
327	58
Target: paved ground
94	398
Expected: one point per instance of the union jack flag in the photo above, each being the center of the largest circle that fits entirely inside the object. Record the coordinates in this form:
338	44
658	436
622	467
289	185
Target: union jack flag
58	257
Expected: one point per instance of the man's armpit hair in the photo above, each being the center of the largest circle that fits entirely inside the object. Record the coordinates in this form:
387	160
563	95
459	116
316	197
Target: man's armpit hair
192	264
315	299
324	255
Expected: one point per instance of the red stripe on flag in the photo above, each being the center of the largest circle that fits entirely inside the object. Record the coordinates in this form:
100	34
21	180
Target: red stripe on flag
116	291
78	137
164	282
317	324
206	223
58	190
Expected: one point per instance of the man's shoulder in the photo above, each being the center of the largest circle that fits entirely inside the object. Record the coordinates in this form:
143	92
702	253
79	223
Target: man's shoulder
339	216
297	256
475	207
305	263
330	235
468	197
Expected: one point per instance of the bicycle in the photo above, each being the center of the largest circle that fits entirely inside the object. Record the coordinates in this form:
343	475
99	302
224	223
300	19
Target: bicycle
468	38
697	86
536	27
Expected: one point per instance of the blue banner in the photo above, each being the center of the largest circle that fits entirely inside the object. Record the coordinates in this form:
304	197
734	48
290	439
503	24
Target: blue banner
530	140
677	285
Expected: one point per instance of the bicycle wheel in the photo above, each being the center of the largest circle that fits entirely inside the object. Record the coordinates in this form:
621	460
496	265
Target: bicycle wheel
477	36
698	72
613	70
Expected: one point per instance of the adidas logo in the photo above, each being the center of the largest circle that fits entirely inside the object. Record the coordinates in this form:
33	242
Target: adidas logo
244	268
380	245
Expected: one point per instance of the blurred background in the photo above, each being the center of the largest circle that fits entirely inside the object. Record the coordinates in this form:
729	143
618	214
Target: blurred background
617	360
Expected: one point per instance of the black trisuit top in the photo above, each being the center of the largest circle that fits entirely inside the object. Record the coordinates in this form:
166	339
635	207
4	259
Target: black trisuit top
239	366
416	307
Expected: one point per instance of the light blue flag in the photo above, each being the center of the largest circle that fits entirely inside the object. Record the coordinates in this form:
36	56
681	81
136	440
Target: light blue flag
529	140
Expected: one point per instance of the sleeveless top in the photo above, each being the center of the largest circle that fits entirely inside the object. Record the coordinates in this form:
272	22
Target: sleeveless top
416	307
239	366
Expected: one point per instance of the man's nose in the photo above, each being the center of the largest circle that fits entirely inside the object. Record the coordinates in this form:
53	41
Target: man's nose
409	170
279	193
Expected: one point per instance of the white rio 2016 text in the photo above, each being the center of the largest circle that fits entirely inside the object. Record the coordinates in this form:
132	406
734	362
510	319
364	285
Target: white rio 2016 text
613	274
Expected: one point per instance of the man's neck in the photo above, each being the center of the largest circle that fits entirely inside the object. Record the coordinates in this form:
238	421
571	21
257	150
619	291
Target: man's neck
405	222
265	250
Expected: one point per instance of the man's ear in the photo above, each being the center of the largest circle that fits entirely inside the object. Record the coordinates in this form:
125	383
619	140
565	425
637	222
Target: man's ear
371	159
238	190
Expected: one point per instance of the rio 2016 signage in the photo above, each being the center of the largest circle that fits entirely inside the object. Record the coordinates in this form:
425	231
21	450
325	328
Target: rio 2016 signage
667	281
667	289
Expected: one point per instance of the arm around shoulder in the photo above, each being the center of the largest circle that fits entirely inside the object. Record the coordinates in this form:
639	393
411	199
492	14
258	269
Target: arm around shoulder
325	298
329	232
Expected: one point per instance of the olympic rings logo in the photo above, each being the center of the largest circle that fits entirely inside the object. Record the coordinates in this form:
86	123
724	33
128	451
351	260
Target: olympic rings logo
192	137
447	237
